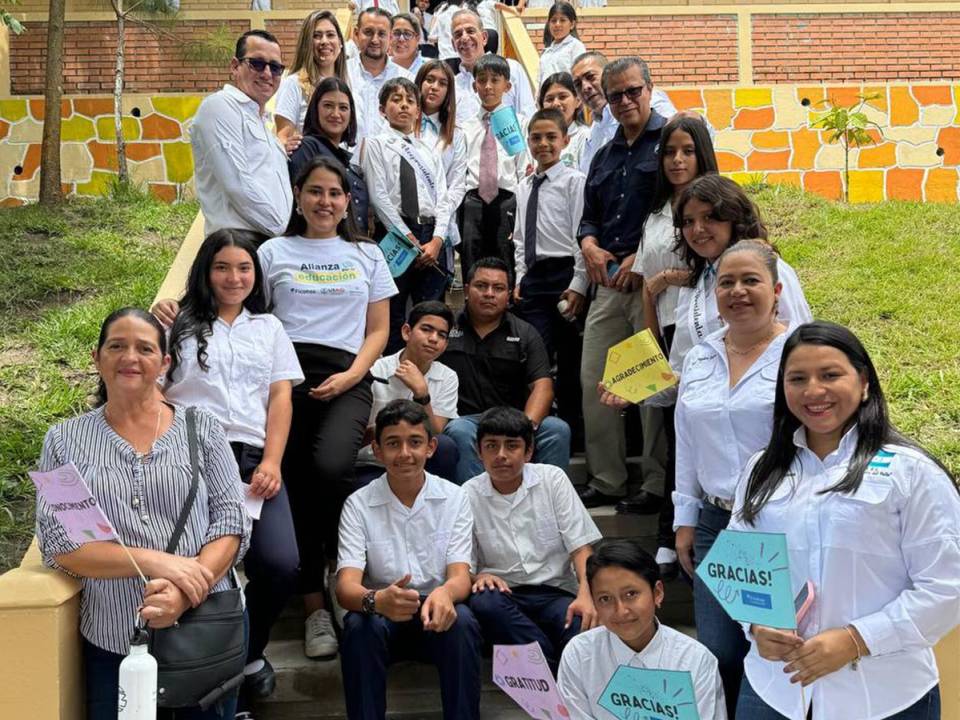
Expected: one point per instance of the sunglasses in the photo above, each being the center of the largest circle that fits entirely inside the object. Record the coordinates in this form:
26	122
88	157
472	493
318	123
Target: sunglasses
615	98
258	66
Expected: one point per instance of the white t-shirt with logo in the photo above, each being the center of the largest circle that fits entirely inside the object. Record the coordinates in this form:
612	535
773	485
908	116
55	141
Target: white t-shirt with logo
320	289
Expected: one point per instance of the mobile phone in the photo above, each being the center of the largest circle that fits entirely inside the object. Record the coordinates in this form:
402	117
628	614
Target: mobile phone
613	267
804	601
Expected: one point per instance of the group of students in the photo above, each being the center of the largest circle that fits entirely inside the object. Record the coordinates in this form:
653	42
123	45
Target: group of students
301	350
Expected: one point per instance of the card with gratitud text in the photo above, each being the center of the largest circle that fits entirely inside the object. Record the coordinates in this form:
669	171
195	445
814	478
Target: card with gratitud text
521	671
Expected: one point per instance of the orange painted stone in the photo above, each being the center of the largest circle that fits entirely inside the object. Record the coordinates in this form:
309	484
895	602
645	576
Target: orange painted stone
31	162
11	202
790	177
719	108
880	156
758	160
806	143
4	129
941	185
66	188
827	183
903	108
729	162
878	97
814	94
157	127
92	107
933	94
142	151
163	191
753	119
770	140
949	139
686	99
36	109
104	155
905	184
844	96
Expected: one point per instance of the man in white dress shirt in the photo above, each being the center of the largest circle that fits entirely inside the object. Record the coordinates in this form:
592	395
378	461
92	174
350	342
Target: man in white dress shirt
241	168
370	68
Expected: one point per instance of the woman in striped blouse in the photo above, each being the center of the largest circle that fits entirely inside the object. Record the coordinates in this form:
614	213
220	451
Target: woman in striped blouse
133	452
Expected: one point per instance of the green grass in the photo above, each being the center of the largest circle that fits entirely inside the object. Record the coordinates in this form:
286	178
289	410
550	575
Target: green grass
65	270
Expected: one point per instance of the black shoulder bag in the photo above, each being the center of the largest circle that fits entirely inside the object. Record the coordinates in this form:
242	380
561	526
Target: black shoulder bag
201	658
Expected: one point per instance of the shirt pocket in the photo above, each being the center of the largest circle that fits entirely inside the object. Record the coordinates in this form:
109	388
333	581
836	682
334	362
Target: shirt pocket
548	534
488	549
381	560
865	522
434	558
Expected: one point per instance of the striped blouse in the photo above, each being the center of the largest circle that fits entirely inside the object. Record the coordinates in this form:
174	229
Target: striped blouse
142	495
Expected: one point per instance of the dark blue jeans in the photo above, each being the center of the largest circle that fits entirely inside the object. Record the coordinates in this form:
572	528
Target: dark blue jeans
529	613
751	707
722	635
102	674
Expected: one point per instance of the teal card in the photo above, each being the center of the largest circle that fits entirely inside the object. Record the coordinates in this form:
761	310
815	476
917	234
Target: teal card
398	251
749	575
506	128
643	694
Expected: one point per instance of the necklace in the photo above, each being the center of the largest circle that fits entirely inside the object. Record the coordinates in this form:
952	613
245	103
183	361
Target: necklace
156	431
735	351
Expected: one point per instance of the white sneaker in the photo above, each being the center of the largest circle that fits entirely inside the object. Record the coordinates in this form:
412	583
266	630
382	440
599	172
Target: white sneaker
320	642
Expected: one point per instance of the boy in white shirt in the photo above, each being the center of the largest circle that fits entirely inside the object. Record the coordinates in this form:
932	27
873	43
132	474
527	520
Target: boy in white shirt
533	539
489	206
408	191
403	573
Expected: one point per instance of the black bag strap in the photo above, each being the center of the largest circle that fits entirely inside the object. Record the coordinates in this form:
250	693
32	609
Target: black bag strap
194	481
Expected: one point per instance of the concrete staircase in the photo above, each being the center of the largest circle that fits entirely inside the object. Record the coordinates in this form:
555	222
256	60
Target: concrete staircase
312	690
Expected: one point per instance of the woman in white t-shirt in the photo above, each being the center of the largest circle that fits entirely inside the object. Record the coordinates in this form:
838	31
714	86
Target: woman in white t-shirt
559	93
319	55
331	292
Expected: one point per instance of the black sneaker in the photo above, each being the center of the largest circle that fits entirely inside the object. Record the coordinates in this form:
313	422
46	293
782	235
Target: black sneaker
260	685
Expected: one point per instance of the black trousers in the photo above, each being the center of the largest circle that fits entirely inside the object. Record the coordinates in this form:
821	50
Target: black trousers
321	451
486	229
666	537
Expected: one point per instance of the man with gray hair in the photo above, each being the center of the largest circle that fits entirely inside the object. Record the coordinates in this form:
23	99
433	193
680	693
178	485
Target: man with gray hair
617	199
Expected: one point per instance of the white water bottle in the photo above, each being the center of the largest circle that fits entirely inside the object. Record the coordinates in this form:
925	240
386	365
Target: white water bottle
138	681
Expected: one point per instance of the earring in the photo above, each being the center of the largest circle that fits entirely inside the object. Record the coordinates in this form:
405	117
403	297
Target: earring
345	215
866	394
298	210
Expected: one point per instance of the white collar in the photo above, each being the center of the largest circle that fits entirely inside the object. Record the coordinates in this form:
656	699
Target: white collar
650	655
530	480
241	97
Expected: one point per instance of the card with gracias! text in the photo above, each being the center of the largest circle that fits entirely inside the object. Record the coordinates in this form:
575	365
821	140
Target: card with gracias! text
647	694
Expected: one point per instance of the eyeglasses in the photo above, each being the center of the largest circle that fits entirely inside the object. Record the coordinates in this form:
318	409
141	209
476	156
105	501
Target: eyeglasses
258	66
615	98
403	35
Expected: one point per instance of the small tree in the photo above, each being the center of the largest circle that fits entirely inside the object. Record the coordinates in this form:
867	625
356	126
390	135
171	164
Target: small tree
8	20
850	126
51	189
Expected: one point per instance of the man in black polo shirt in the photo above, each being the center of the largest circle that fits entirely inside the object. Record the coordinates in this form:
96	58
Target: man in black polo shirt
500	360
617	198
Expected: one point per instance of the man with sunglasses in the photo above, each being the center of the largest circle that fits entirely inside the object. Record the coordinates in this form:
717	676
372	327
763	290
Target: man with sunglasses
241	168
617	197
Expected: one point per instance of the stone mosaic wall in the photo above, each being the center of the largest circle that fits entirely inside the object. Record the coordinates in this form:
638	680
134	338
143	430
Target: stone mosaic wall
763	133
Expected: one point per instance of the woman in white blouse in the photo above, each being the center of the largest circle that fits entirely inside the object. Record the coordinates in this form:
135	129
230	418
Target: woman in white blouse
723	416
561	44
873	521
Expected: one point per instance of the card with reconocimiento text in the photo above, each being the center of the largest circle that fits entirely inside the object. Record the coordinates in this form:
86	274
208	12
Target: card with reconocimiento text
648	694
521	671
73	505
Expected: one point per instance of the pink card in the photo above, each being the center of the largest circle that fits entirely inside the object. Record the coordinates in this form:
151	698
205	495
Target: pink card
72	503
521	671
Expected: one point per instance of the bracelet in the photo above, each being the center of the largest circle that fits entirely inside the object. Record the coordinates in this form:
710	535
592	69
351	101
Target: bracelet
855	664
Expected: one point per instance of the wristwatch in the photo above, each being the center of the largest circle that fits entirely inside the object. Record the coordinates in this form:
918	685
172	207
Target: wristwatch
368	606
425	400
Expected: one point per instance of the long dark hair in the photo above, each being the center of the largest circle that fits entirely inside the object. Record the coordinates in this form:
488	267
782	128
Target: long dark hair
447	115
311	122
702	148
730	203
347	227
874	429
559	8
101	396
565	80
198	308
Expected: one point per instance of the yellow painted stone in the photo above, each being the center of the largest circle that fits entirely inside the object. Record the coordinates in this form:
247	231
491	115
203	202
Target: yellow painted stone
77	129
178	108
784	178
179	161
737	141
106	128
937	115
25	131
770	140
98	184
956	101
941	185
878	97
13	110
913	135
922	155
752	97
789	112
746	178
866	186
830	157
152	170
76	164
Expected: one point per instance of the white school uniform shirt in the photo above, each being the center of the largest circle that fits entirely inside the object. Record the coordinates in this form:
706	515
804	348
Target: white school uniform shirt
697	315
320	289
386	540
527	537
489	17
241	168
381	165
366	94
454	165
510	170
659	238
885	559
290	102
243	359
442	384
578	133
718	427
559	207
519	96
441	32
592	657
559	57
603	129
391	6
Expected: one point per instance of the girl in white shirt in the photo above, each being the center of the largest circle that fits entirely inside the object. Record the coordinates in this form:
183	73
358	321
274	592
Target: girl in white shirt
331	292
561	43
232	358
627	591
558	93
873	521
723	416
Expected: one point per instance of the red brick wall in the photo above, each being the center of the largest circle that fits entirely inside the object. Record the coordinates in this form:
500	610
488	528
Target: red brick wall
856	47
154	64
680	49
287	32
